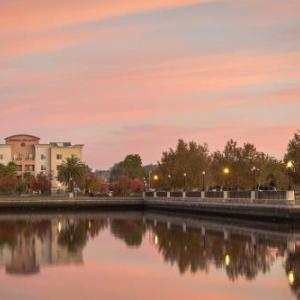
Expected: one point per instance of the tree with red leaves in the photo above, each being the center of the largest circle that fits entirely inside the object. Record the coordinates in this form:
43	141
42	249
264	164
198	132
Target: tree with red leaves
41	183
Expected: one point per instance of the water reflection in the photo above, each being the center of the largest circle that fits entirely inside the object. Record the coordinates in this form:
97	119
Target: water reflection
193	245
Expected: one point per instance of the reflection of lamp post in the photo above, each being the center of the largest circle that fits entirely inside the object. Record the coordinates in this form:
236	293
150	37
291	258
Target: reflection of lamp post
291	277
59	227
226	172
227	260
184	177
203	180
290	166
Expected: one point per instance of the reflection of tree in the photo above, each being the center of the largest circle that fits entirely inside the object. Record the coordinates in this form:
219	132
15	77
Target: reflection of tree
131	231
75	234
10	230
248	259
193	252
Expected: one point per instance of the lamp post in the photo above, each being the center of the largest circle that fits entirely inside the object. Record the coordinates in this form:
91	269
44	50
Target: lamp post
226	171
255	170
149	180
71	184
290	166
71	194
169	178
203	180
184	177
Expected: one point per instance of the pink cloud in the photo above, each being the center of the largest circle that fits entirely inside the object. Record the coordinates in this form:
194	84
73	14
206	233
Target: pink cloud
88	84
34	15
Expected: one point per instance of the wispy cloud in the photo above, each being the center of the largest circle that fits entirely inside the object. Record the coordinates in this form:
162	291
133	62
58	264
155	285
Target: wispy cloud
131	74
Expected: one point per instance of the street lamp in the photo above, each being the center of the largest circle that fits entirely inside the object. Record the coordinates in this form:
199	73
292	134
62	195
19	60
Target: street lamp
149	180
255	170
169	178
290	166
155	177
203	180
184	176
71	185
226	171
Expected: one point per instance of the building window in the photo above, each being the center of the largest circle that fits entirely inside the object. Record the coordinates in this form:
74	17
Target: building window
1	156
19	168
43	168
58	156
43	156
29	168
18	156
29	156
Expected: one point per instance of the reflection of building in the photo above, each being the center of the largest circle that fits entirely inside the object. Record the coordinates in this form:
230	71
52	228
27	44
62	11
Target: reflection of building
32	157
23	257
33	250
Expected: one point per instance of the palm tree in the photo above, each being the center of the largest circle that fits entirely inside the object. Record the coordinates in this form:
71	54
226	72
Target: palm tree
71	171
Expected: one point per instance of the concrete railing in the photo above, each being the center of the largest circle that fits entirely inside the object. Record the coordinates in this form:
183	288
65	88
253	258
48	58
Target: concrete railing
263	197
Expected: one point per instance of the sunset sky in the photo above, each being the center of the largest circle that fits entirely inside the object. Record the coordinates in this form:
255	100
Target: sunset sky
133	76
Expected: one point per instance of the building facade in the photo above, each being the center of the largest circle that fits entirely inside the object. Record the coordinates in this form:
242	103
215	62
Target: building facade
23	152
59	152
32	157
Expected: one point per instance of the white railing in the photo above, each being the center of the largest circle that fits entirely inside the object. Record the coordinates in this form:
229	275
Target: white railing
263	197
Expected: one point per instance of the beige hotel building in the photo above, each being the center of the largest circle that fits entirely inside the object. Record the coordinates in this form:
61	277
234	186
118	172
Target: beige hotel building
32	157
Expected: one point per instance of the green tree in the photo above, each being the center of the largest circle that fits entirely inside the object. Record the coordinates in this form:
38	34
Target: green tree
8	178
293	154
8	171
188	158
131	167
247	168
71	172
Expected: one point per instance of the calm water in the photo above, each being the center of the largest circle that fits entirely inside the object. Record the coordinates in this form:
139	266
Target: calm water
131	255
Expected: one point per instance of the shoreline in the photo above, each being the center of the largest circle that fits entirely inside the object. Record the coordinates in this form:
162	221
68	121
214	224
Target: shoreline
197	208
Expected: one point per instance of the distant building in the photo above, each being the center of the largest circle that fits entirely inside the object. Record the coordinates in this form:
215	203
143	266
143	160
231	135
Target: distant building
104	174
32	157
